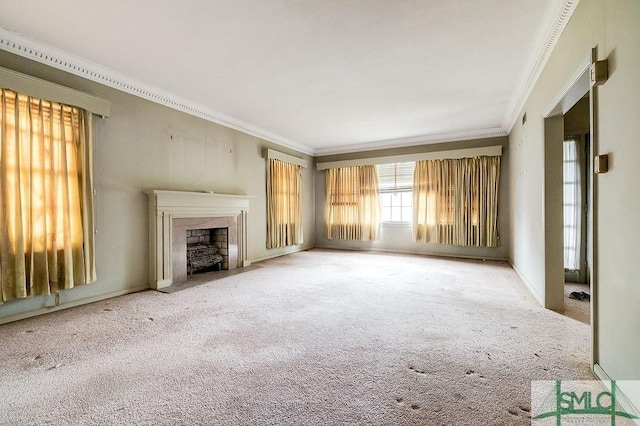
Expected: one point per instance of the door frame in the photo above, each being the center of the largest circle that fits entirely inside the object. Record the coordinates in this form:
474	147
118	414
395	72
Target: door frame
573	90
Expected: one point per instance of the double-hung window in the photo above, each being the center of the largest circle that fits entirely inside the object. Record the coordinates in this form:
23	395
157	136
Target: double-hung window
396	192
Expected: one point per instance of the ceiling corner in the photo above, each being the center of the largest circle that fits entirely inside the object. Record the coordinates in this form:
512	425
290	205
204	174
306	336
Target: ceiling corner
556	18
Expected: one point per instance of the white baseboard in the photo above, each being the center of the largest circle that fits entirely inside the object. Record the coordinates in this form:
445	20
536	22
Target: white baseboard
409	252
87	300
273	256
625	402
600	373
71	304
532	289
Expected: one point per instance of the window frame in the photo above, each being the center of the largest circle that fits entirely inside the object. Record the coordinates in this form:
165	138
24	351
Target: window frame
396	190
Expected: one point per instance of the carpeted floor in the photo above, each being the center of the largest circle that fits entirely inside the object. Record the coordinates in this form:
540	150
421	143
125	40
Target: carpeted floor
578	309
318	337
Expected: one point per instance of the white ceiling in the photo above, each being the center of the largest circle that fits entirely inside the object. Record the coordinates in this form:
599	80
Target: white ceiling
321	76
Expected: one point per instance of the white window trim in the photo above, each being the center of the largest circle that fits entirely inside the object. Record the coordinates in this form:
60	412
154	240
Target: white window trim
395	191
391	224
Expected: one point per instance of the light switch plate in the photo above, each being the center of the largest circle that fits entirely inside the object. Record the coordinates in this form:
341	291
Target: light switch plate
599	72
601	163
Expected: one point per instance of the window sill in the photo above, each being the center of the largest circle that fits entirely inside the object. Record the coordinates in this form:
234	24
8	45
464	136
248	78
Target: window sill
396	224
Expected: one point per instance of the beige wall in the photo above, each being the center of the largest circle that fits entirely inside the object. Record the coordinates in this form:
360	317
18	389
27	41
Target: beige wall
143	145
399	238
576	120
613	26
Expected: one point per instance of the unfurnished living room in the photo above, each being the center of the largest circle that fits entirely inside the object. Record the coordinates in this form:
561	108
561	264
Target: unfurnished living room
412	212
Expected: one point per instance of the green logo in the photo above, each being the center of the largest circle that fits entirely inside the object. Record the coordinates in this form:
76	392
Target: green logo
578	402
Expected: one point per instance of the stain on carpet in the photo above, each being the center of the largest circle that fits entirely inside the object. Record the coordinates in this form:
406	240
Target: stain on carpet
417	370
477	375
521	410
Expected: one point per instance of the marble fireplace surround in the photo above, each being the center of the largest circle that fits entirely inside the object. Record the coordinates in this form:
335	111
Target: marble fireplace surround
171	213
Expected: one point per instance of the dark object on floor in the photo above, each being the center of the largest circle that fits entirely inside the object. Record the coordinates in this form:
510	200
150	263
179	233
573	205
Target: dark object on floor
580	295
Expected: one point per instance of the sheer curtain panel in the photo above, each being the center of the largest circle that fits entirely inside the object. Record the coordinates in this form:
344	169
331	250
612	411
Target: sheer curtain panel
572	195
353	203
455	201
46	197
284	204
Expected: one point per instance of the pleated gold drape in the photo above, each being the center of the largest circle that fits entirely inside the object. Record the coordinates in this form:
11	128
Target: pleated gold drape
353	203
456	201
46	197
284	204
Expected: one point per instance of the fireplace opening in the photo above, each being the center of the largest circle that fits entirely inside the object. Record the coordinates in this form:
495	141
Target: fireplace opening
225	240
207	250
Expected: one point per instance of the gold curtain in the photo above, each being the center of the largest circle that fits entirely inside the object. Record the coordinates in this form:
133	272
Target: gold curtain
456	201
353	203
284	204
46	197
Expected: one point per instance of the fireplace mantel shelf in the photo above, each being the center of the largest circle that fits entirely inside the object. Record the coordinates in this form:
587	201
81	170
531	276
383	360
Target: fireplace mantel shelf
167	207
186	202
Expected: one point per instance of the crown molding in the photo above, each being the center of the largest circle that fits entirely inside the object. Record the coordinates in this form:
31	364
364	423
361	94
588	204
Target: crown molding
555	20
46	54
556	17
413	141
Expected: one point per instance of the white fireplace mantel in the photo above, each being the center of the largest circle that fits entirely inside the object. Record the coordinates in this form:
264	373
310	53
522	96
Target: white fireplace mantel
167	206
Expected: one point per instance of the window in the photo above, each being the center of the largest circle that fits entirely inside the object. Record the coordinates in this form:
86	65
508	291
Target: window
396	191
46	197
572	194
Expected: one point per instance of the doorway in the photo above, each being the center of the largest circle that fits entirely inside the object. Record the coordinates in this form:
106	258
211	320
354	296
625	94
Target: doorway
577	292
577	90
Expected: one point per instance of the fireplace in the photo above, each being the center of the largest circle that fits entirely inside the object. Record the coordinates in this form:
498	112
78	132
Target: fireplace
179	245
177	217
207	250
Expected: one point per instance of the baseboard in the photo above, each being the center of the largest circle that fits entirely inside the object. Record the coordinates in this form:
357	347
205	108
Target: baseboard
273	256
625	402
534	292
72	304
600	373
87	300
382	250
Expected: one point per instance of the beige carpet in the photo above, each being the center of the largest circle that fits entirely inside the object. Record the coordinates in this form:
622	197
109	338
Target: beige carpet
318	337
579	310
